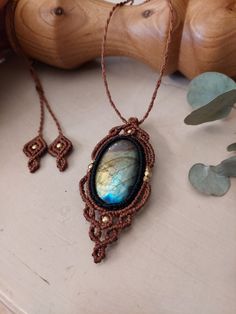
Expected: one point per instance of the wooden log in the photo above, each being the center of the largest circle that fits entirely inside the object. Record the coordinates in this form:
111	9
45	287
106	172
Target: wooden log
68	33
209	38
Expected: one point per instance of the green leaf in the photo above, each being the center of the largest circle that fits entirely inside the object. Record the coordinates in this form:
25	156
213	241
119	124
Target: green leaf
217	109
207	86
207	181
231	148
227	167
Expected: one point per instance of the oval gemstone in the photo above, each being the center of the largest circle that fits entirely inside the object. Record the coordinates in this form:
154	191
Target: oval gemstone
117	172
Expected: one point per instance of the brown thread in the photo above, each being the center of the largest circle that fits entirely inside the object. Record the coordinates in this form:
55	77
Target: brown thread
163	67
35	154
34	150
104	234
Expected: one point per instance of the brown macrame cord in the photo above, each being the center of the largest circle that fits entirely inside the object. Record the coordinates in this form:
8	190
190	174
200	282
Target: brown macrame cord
105	225
162	69
104	233
37	147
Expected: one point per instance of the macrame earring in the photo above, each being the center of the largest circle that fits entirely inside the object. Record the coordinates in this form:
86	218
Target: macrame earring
36	148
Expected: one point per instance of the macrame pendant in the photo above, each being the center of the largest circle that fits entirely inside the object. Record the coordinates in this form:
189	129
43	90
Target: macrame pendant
116	185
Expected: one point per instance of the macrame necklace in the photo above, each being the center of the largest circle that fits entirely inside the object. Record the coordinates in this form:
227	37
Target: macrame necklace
36	148
117	183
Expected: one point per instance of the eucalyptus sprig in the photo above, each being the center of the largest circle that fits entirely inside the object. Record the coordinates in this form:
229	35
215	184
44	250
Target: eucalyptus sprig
212	95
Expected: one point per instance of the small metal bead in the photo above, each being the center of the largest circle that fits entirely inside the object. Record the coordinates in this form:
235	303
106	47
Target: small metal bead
90	166
129	131
147	173
34	146
146	179
105	219
59	145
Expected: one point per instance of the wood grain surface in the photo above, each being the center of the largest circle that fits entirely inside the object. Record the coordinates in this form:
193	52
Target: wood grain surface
204	38
209	38
137	31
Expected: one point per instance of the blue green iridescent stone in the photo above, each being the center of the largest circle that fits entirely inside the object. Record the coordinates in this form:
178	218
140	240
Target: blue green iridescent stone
117	172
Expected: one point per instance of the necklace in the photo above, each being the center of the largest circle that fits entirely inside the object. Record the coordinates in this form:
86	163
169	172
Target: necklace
117	183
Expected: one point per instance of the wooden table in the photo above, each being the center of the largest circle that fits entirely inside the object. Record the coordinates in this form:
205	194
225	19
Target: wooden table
180	255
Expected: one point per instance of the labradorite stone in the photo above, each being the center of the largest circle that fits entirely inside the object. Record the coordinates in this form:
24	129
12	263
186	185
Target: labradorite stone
117	172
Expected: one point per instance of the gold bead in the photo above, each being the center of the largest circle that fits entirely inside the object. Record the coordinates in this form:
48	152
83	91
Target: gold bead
105	219
90	166
129	131
146	179
34	146
147	173
59	145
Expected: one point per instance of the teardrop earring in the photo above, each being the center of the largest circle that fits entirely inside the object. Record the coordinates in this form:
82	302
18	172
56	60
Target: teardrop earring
36	148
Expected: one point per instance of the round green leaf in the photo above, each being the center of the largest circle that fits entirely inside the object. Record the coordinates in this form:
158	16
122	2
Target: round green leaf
217	109
207	86
227	167
231	148
207	181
